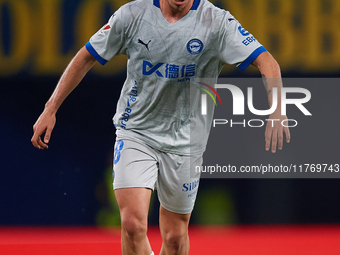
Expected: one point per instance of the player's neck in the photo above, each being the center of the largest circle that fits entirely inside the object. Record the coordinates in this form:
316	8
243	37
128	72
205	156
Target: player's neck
173	11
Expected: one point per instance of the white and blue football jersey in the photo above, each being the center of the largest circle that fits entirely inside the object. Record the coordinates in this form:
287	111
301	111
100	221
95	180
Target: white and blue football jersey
154	105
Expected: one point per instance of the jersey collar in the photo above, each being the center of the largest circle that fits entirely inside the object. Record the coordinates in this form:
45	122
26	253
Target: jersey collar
193	7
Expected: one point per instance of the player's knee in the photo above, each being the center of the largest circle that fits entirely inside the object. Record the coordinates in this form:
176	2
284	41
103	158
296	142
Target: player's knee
175	239
133	227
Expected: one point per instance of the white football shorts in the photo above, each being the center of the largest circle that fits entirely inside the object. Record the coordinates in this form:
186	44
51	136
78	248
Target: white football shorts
137	165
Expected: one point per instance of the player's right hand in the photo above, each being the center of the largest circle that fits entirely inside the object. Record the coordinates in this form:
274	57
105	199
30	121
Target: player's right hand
44	124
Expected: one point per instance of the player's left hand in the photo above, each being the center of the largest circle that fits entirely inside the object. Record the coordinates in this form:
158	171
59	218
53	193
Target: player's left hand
274	132
44	124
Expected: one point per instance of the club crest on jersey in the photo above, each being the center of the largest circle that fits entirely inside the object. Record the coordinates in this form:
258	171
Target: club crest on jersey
195	46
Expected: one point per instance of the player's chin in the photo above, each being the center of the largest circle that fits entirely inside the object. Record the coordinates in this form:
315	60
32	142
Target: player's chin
179	5
178	8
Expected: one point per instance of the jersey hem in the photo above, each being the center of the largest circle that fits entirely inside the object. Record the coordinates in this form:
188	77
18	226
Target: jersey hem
153	146
94	53
252	57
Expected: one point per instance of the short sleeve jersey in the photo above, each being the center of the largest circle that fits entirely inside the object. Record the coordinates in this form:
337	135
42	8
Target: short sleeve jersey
154	104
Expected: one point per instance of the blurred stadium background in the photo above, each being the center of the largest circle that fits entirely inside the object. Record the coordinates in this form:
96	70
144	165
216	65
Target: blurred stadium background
70	184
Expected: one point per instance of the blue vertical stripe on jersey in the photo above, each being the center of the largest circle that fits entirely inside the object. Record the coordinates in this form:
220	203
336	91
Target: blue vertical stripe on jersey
252	57
94	53
193	7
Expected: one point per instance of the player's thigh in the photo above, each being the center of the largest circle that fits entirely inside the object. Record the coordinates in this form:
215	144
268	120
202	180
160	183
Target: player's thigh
133	205
177	183
135	173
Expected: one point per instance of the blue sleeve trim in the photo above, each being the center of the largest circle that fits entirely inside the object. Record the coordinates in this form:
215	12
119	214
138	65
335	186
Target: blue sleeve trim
94	53
252	57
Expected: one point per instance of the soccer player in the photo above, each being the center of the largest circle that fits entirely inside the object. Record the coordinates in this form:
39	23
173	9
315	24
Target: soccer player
167	43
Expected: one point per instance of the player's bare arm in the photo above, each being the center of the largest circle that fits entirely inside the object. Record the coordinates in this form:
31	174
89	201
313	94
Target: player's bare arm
70	79
270	71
